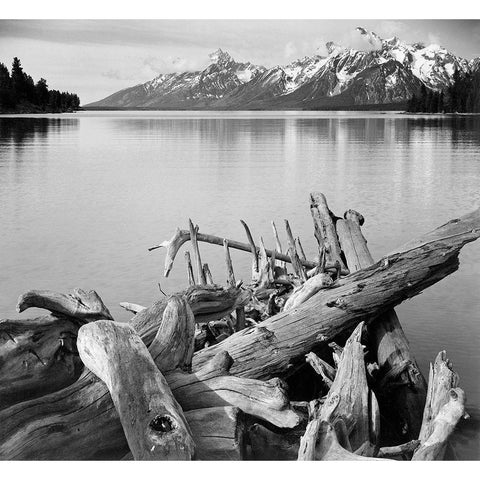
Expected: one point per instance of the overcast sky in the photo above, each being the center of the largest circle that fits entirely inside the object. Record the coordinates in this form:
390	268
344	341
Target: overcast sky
95	58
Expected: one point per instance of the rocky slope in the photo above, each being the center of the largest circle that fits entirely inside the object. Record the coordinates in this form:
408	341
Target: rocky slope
387	74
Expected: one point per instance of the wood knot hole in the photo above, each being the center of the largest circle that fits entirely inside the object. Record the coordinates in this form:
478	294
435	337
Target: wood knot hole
162	424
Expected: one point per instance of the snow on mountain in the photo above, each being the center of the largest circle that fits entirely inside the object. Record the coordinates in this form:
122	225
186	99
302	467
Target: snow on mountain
389	71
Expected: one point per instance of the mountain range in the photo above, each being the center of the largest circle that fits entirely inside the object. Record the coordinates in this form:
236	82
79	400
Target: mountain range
386	75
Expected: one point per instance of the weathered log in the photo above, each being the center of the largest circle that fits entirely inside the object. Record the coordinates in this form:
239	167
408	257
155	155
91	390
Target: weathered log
37	356
307	290
219	433
444	407
397	365
173	344
182	236
270	348
325	232
212	386
86	306
152	420
80	422
352	241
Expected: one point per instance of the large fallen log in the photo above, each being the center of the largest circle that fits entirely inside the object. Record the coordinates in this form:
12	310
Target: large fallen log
152	420
80	421
402	390
271	348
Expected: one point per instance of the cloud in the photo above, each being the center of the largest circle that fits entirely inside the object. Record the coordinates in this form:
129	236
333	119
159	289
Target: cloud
290	50
113	75
433	39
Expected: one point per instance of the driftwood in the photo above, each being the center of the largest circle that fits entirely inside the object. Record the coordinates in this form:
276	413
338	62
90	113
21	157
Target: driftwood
326	371
398	450
132	307
80	421
37	356
270	348
444	407
296	261
219	432
196	254
397	365
239	312
86	306
308	289
325	229
182	236
152	420
208	302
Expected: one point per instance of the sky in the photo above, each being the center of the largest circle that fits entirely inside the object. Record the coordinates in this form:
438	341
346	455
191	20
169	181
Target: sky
95	58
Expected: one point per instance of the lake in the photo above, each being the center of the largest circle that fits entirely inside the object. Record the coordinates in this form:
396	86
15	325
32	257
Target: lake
82	197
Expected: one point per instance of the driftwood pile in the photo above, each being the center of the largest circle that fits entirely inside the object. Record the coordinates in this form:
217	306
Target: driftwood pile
310	365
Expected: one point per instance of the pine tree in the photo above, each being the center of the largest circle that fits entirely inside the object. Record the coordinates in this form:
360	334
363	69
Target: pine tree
7	97
18	80
41	91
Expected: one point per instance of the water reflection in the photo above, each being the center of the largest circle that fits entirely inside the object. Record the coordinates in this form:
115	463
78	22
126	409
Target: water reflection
82	198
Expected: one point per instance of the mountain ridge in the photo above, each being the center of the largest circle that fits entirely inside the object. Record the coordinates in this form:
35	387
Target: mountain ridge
388	73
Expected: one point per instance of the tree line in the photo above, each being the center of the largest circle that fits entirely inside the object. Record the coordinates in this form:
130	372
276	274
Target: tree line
462	96
18	92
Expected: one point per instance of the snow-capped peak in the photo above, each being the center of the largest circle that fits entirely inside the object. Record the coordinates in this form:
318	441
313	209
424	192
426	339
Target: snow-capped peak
334	48
221	57
373	39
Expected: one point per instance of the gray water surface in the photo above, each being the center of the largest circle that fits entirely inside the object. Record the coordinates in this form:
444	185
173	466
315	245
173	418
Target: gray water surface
82	196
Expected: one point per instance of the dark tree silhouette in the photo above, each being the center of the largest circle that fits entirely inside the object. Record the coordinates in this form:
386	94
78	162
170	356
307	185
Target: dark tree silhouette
18	92
462	96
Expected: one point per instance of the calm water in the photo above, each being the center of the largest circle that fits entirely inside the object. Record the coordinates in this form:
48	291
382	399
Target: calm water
82	197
